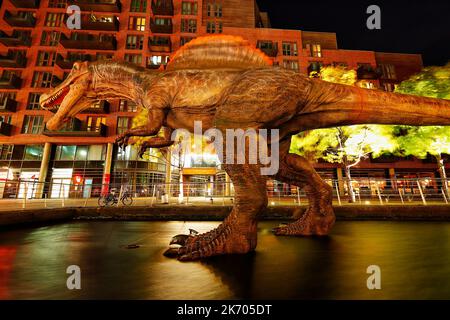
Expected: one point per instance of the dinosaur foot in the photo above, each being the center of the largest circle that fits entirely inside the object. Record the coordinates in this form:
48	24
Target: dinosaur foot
233	236
312	223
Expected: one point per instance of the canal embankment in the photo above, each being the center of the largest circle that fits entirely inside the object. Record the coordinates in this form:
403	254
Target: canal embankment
217	213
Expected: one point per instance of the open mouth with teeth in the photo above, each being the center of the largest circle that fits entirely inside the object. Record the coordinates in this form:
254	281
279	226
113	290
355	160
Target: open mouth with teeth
53	101
68	99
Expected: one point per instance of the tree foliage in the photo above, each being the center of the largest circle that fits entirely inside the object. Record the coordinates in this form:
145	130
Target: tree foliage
433	82
346	145
420	141
339	74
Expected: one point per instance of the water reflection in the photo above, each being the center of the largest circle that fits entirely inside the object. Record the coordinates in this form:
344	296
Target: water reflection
413	256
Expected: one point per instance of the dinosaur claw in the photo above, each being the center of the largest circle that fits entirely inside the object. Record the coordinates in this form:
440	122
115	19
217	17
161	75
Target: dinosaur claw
227	238
122	140
171	253
190	257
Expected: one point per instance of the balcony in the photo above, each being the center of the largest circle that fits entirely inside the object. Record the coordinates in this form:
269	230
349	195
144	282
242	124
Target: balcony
162	7
160	44
92	22
11	82
98	5
67	63
5	129
154	66
367	72
32	4
88	42
8	105
13	59
77	128
166	27
268	47
16	39
24	19
98	108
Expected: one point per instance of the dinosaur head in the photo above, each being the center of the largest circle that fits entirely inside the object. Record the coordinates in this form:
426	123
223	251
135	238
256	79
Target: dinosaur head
72	96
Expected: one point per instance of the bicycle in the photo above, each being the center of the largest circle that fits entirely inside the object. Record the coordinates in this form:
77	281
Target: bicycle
112	198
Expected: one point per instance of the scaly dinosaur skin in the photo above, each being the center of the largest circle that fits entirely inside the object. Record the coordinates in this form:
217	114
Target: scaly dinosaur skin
256	98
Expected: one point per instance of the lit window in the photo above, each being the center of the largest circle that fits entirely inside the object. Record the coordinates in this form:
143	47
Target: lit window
33	101
135	42
133	58
54	19
388	71
158	60
123	124
214	27
214	10
189	8
290	49
50	38
136	23
138	6
33	124
189	25
291	65
41	79
45	59
316	50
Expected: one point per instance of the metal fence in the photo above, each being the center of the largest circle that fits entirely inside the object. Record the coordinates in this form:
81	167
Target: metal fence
32	194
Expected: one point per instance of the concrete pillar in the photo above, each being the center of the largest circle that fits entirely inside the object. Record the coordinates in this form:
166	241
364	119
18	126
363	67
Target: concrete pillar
211	185
168	171
107	170
341	182
43	170
227	185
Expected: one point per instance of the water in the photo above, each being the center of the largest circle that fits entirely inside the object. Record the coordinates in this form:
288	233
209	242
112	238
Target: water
413	256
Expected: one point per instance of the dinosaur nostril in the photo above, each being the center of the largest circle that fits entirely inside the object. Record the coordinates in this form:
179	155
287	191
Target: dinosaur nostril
76	66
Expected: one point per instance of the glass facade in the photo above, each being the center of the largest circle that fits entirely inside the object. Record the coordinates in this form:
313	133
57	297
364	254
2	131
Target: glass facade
19	170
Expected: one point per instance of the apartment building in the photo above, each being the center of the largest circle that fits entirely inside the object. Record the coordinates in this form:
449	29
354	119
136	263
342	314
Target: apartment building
37	51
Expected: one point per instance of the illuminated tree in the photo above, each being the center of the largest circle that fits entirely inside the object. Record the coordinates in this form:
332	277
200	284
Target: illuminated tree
346	146
338	74
421	141
432	82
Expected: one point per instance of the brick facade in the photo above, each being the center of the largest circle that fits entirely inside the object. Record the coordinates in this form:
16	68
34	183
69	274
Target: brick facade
160	27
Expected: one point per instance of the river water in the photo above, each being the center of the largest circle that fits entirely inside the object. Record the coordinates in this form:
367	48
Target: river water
414	258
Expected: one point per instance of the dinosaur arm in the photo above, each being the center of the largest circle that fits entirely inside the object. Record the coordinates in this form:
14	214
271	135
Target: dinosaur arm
151	128
160	142
153	125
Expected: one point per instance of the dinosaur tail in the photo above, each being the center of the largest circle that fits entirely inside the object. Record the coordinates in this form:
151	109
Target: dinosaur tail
347	105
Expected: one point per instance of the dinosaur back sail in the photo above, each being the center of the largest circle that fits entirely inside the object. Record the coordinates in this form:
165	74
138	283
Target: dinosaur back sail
218	52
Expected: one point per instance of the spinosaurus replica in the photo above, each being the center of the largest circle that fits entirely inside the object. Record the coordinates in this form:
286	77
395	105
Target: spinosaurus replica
226	83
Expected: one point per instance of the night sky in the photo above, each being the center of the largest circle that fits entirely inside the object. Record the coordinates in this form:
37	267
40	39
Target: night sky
411	26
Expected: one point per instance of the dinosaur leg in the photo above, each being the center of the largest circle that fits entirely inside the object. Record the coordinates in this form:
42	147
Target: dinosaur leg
237	234
319	217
